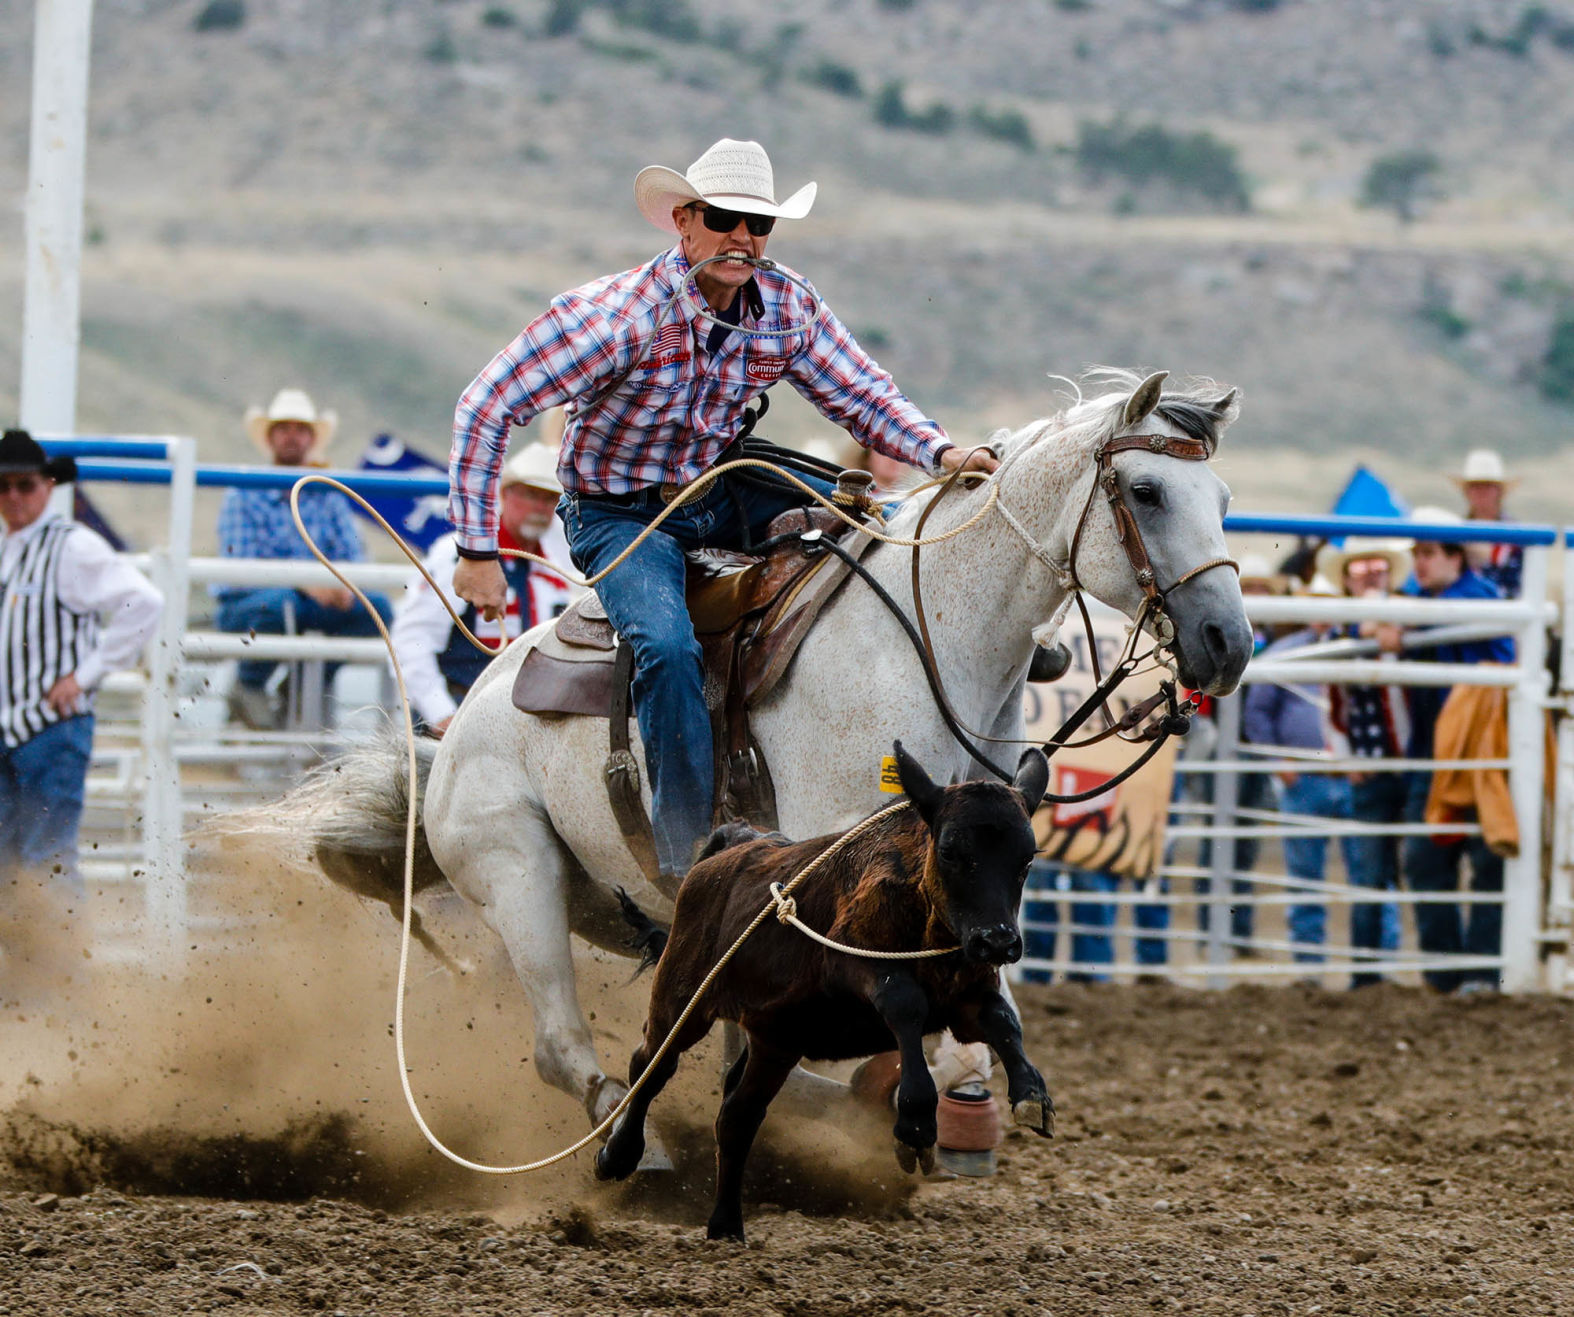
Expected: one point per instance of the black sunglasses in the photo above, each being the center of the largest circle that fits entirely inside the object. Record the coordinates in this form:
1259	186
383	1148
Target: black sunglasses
718	220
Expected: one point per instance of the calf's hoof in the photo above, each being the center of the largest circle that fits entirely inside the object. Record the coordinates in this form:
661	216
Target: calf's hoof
725	1227
910	1159
1037	1114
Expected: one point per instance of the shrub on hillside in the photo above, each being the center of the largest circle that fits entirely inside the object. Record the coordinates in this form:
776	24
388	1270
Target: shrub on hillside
499	16
1556	377
890	111
220	16
1193	162
673	19
563	17
830	76
1009	126
1400	182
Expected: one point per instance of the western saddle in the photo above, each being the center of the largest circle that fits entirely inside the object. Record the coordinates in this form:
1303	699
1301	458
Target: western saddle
750	615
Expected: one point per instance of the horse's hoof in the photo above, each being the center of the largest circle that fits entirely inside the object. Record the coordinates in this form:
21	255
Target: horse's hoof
1037	1114
723	1229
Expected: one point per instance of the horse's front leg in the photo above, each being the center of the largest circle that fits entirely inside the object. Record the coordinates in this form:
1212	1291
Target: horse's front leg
904	1007
998	1025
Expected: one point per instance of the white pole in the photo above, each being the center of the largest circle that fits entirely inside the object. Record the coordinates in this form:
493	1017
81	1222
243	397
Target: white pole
51	316
163	812
1560	885
1527	706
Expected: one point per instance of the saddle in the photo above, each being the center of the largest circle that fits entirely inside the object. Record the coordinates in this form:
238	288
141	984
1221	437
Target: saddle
750	614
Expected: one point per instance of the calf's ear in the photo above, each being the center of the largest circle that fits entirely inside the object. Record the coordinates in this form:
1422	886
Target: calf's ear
920	789
1032	778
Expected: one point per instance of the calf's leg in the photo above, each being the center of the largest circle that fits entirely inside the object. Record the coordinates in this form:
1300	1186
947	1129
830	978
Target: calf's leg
904	1007
755	1078
1031	1104
619	1157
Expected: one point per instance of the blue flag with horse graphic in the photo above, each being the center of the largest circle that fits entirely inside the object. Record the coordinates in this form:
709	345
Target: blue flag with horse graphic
420	518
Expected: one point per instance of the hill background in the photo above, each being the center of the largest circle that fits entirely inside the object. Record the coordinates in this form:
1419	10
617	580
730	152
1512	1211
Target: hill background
369	199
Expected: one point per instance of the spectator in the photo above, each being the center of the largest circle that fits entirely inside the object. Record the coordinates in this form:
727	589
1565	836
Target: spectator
1252	790
1280	718
1375	724
1092	921
1432	864
257	523
1484	484
439	663
71	612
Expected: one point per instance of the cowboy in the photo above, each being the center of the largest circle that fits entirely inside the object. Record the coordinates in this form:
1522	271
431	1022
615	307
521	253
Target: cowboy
439	662
658	364
1484	483
1374	724
71	612
258	523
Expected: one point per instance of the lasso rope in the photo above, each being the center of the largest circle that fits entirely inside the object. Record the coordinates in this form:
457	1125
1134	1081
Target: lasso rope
781	897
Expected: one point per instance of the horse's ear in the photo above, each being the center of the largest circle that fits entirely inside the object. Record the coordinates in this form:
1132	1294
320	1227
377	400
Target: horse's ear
1146	398
1225	408
1032	778
918	785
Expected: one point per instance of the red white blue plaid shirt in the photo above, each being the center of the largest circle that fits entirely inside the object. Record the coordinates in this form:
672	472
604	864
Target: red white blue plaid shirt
669	421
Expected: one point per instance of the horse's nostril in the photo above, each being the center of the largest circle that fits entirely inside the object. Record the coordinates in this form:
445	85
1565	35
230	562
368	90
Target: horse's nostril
1215	642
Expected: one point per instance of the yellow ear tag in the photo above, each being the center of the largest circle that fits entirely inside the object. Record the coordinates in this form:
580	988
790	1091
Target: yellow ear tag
890	779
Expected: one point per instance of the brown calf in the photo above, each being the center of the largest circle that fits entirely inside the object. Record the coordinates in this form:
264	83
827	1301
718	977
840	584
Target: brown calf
946	873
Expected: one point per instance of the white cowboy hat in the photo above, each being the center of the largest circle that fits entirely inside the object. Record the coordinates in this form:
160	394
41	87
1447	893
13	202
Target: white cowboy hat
1332	559
1483	466
1255	567
1430	515
534	465
731	174
1319	587
291	405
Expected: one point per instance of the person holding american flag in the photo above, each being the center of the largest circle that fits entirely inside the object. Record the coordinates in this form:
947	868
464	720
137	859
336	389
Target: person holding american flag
656	386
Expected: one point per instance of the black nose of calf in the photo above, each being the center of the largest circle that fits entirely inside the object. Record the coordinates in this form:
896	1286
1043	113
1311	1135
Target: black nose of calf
1000	945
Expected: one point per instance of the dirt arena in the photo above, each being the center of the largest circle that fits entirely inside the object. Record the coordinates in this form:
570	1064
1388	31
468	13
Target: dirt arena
234	1140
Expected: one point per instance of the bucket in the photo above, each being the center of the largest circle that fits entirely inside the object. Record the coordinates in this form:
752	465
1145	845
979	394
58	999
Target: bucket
968	1121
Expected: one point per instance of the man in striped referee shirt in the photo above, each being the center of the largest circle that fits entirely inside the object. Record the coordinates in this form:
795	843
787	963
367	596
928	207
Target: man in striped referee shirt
656	395
71	612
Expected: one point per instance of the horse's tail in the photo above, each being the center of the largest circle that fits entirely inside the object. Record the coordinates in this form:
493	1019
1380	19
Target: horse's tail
357	807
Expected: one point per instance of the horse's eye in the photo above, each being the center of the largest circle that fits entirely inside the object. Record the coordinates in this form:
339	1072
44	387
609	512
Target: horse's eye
1148	493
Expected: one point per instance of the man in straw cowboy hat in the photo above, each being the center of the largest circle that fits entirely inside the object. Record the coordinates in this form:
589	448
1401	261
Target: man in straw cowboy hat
1374	722
657	388
71	612
439	662
257	523
1485	483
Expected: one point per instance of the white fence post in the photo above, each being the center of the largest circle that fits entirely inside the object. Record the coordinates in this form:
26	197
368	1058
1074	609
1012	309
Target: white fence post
163	812
1560	880
1527	703
1226	799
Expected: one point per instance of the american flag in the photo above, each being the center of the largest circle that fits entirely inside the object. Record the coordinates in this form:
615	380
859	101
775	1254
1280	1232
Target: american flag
673	339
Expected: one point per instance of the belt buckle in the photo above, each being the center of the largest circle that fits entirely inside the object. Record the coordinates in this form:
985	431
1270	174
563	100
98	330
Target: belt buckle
669	492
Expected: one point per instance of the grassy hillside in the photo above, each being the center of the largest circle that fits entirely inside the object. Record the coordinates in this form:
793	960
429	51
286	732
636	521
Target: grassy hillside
369	199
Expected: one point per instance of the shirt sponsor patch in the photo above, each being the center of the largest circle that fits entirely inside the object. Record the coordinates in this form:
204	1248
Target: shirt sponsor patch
766	368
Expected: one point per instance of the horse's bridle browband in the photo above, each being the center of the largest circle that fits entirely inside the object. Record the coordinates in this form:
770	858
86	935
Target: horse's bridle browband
1188	450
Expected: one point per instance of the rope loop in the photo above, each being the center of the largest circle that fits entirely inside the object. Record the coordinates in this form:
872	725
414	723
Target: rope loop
786	906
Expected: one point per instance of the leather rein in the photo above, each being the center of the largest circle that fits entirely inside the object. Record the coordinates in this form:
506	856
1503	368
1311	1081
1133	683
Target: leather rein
1155	602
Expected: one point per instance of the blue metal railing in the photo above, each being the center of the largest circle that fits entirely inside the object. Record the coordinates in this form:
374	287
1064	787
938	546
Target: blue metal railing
139	462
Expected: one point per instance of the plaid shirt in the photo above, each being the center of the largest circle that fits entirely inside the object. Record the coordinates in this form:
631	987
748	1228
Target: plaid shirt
670	420
256	523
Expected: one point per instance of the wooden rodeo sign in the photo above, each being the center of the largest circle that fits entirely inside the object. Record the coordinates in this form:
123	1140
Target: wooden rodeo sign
1120	831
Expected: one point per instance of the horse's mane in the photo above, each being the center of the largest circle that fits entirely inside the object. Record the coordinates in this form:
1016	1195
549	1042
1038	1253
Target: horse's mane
1087	421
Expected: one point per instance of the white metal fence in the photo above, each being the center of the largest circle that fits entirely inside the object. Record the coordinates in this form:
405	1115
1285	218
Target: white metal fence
159	764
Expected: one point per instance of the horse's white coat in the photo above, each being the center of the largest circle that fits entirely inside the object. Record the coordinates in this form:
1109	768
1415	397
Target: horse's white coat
516	812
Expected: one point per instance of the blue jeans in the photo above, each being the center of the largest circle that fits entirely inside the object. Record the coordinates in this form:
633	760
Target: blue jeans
1252	792
1326	796
1088	947
1374	864
1430	866
644	599
263	612
42	782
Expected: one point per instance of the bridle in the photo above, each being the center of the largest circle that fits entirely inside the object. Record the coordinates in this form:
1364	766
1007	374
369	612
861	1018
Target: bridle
1155	605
